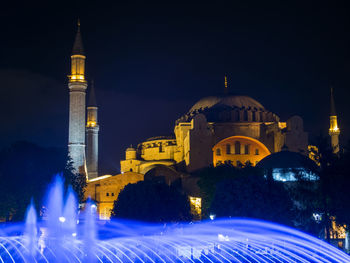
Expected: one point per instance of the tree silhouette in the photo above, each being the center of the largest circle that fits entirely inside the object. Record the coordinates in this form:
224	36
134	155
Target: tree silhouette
152	201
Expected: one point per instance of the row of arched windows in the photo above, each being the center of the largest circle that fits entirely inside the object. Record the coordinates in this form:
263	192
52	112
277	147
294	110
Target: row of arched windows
255	116
237	149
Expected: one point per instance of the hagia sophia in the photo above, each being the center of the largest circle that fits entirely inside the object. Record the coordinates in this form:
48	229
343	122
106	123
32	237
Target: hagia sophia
230	128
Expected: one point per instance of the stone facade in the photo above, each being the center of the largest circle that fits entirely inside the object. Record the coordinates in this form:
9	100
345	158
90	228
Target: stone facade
76	144
104	190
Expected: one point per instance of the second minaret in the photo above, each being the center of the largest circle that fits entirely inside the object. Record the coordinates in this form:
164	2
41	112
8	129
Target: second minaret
92	129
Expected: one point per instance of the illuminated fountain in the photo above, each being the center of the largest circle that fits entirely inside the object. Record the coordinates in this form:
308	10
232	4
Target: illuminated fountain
60	238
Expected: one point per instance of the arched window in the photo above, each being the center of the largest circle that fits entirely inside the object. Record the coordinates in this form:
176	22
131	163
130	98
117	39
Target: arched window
261	116
245	115
236	115
247	149
254	115
107	194
256	151
228	149
218	152
237	147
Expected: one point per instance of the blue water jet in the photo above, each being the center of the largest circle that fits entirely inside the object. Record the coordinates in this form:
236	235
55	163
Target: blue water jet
62	239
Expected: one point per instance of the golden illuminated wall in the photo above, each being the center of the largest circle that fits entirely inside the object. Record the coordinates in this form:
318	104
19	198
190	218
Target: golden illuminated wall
105	189
239	150
158	149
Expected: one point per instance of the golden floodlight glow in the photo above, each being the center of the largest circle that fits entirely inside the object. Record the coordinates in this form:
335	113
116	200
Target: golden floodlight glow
196	207
333	128
100	178
77	77
91	124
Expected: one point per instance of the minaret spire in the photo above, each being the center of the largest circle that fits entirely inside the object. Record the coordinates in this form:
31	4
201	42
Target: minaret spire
334	130
77	92
78	43
92	96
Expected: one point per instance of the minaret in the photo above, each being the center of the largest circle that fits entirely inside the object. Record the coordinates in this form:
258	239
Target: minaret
92	129
226	86
77	88
333	126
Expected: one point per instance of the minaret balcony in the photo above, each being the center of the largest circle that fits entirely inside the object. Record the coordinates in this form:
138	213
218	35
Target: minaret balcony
76	78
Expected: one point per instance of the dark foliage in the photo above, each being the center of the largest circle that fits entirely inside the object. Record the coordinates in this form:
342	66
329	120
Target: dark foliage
77	181
152	201
211	176
253	195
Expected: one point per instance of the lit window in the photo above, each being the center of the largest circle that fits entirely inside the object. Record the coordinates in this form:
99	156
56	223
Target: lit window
228	149
218	152
246	149
237	147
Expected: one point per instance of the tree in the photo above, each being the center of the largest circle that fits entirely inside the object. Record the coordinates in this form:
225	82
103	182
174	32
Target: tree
152	201
209	178
255	196
77	181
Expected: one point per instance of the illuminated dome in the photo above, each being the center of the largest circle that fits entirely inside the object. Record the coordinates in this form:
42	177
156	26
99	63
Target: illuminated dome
230	108
230	101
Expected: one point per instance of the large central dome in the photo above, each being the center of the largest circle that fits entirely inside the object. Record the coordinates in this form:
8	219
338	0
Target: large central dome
230	108
230	101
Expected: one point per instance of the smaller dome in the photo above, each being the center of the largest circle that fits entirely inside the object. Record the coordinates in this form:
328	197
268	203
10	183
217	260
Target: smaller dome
286	159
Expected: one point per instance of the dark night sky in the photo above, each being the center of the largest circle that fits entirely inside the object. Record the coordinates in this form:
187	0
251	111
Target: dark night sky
152	62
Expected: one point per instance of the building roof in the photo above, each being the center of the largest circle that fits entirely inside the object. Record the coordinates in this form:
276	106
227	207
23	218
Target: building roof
286	159
78	43
233	101
169	137
228	108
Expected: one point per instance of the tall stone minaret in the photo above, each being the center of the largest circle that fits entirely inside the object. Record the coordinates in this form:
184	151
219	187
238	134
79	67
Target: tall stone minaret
92	129
333	126
77	88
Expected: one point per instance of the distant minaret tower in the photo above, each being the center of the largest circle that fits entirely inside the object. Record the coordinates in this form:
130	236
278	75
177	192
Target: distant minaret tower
92	129
226	86
77	88
333	126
